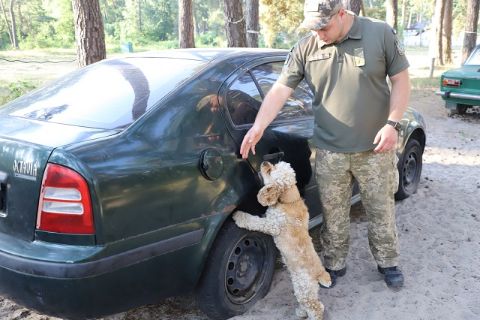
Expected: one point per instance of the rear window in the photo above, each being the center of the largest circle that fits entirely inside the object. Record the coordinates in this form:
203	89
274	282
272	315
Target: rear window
474	58
108	95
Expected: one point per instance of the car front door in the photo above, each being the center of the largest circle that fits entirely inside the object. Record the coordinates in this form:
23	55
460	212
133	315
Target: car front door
288	136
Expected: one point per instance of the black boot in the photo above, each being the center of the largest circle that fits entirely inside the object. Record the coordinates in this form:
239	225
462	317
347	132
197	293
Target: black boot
333	275
393	276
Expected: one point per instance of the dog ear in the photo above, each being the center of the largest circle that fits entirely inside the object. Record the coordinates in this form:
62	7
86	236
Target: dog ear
268	195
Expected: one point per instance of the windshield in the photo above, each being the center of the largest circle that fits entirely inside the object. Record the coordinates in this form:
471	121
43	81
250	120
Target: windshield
474	58
108	95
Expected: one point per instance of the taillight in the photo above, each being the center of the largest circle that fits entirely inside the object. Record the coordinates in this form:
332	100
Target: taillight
446	82
65	204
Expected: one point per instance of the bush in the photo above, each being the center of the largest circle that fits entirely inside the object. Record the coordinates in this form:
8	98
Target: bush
377	13
154	45
208	39
4	41
13	90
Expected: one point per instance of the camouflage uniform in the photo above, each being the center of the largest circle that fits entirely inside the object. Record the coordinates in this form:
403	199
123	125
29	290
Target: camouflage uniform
351	104
377	177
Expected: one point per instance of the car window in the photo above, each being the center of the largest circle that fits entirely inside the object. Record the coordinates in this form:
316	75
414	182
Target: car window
243	100
300	102
474	58
108	95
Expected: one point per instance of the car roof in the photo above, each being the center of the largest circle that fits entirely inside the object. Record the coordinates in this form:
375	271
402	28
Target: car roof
233	55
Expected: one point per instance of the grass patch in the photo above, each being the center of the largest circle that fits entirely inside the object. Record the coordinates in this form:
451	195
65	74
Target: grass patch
13	90
39	54
425	83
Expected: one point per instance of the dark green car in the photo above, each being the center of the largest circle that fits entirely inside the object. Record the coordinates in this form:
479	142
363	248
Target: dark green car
117	182
460	88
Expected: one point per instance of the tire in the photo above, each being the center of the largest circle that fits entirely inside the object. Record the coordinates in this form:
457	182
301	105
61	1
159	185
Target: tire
461	108
409	169
238	272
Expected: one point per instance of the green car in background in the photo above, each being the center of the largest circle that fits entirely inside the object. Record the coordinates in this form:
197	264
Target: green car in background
460	88
118	182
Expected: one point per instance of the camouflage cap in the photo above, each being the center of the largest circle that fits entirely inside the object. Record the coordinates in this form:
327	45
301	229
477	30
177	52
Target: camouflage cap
317	13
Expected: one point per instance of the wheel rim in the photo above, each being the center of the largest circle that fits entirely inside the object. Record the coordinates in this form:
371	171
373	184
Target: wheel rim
244	269
410	170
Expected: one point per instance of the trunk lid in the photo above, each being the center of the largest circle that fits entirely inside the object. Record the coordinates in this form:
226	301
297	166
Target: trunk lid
25	147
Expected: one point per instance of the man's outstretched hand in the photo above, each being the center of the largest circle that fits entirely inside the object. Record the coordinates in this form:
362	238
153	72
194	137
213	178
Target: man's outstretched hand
250	141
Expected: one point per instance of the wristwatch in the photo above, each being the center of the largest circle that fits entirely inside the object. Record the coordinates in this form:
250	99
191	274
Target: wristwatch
395	124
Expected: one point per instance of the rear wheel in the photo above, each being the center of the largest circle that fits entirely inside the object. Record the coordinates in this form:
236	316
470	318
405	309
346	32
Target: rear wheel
461	108
238	272
409	169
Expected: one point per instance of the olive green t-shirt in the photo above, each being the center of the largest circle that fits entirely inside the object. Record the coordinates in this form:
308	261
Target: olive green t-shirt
349	82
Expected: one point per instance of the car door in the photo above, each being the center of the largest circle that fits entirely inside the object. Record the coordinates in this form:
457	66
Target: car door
288	136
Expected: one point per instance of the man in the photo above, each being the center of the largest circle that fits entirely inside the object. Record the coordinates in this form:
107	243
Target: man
346	61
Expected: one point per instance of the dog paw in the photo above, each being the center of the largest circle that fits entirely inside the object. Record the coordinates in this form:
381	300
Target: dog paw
239	218
301	313
325	280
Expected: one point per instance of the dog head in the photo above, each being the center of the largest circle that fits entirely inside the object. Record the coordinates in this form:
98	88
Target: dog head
277	178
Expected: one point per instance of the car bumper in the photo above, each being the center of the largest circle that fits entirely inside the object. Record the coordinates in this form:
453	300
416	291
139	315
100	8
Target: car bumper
458	95
104	286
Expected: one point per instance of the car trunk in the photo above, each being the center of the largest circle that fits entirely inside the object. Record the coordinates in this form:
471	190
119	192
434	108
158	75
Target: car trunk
26	146
470	78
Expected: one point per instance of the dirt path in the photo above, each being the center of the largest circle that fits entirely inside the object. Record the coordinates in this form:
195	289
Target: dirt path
439	239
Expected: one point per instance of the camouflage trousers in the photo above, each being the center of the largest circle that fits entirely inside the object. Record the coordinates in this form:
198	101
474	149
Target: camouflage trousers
377	177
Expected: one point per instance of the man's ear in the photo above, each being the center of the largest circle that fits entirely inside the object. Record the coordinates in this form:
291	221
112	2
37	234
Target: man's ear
268	195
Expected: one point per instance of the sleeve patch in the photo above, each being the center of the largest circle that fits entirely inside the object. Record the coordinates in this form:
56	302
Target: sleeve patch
288	60
400	46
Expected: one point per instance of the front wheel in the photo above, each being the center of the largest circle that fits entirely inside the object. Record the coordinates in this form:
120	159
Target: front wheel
409	169
238	272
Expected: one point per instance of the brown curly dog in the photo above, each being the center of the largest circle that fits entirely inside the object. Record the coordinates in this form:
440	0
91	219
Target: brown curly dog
286	220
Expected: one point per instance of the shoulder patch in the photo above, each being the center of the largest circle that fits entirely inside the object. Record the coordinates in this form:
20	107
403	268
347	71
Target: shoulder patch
400	46
289	57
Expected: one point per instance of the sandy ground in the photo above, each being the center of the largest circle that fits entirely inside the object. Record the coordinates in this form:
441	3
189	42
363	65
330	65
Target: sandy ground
439	238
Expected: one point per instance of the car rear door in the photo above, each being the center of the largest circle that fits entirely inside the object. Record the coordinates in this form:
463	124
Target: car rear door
288	137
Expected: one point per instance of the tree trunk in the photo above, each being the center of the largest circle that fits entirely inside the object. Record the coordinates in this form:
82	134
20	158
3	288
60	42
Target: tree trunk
447	32
7	22
21	22
185	24
392	13
89	33
14	24
235	23
439	36
139	9
470	38
436	50
404	18
253	25
355	6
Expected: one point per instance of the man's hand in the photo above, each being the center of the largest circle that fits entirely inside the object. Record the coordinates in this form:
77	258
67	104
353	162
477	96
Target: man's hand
272	103
386	138
250	141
